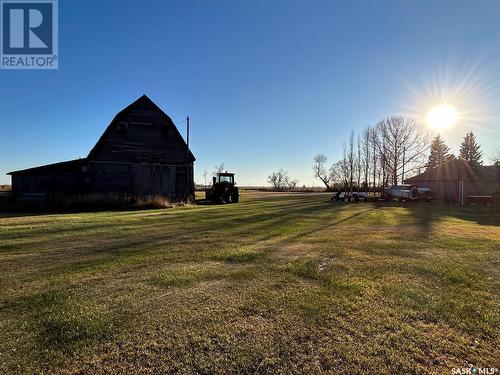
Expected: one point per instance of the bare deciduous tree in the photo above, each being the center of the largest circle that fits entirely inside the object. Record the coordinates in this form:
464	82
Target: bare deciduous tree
339	174
350	160
343	170
278	179
366	157
292	183
403	146
373	144
320	170
218	169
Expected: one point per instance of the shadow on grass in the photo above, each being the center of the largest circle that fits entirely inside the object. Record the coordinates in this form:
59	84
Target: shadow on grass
329	225
427	214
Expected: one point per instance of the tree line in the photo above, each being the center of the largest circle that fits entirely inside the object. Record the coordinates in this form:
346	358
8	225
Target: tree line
384	154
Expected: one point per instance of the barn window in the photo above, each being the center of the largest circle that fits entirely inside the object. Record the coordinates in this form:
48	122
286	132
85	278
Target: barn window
122	126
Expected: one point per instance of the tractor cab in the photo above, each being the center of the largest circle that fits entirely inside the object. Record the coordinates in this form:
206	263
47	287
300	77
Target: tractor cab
223	189
224	178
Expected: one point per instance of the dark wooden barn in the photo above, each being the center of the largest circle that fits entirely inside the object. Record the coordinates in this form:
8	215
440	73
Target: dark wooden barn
141	153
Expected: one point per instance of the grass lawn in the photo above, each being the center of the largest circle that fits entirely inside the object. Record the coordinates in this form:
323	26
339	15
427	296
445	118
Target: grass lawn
279	283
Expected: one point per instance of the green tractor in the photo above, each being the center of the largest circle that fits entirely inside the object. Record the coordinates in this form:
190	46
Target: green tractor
223	189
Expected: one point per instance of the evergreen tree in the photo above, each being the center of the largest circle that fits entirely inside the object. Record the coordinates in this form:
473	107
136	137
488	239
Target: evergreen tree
470	150
439	153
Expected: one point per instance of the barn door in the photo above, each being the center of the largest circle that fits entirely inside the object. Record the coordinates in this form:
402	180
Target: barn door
168	181
154	179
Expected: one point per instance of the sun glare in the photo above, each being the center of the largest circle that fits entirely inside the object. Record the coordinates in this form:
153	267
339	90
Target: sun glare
442	117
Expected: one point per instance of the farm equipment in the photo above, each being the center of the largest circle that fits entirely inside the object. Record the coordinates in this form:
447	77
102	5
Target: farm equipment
407	193
223	189
350	197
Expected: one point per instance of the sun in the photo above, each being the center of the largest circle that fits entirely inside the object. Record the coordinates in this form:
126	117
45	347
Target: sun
442	116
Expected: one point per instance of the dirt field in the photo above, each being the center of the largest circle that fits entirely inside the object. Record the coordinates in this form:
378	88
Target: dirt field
290	283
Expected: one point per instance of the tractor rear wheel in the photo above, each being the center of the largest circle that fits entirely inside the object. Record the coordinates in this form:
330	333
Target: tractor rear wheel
235	196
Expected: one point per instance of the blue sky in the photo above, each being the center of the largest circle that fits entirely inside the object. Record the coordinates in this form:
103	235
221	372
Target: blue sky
267	84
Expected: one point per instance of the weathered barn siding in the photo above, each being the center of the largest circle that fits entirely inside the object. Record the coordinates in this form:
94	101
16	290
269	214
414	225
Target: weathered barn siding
63	177
140	153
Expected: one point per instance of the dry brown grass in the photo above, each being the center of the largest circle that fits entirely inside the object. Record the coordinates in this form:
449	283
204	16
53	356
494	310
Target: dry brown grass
156	201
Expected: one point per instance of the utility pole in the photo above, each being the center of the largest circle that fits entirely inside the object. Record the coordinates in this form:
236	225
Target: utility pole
188	174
